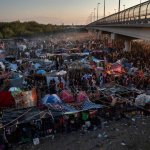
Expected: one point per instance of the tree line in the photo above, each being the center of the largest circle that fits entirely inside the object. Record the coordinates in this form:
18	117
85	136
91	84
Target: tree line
26	29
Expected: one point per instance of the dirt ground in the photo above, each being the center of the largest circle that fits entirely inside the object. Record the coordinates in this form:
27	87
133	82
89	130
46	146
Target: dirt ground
133	134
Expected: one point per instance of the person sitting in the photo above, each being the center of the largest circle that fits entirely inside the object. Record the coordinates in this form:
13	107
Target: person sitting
60	85
52	87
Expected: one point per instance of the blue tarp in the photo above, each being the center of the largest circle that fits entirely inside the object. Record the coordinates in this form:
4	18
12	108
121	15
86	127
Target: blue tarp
90	105
41	72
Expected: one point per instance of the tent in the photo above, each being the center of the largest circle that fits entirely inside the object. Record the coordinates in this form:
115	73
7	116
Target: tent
14	90
6	99
26	99
41	72
142	100
37	65
61	73
116	68
66	96
13	67
81	96
87	105
16	80
51	99
22	47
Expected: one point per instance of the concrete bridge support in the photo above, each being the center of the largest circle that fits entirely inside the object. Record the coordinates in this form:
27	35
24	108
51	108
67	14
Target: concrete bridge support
127	45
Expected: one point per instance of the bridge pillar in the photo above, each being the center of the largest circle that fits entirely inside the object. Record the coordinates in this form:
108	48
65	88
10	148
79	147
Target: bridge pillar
99	35
113	36
127	45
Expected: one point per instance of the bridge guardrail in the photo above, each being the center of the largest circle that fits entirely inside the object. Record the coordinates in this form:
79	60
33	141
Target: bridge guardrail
139	14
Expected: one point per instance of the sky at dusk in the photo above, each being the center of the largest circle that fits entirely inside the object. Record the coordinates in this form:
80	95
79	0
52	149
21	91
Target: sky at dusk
57	11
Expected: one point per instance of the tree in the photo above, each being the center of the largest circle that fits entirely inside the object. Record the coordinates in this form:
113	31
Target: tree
7	32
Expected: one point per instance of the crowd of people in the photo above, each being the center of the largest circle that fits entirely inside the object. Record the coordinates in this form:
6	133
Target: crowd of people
78	65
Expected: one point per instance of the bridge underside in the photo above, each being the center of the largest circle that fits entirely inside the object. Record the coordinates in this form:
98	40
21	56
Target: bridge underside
133	32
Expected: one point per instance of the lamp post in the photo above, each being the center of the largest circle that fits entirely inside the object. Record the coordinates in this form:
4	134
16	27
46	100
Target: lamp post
115	10
119	6
104	8
124	6
97	9
91	16
94	13
119	10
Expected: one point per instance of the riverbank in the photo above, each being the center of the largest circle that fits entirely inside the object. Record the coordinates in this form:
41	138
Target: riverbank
132	134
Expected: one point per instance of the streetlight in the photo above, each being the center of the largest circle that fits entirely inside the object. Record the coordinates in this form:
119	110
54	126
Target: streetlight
124	6
97	9
94	13
119	10
115	10
104	8
119	6
91	16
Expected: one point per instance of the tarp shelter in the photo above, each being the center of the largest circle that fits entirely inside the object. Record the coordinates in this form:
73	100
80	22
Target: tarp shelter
61	73
87	105
51	99
42	72
14	90
116	68
67	109
13	67
26	99
82	96
6	99
20	115
53	102
22	47
2	65
5	75
16	80
49	78
66	96
2	54
142	100
37	65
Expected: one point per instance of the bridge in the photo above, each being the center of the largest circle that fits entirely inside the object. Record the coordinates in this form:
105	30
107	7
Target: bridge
131	23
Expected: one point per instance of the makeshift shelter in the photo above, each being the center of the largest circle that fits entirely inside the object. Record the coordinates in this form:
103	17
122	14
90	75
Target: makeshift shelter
26	99
2	54
16	80
13	67
51	99
115	68
42	72
61	73
82	96
36	65
22	47
6	99
14	90
142	99
66	96
87	105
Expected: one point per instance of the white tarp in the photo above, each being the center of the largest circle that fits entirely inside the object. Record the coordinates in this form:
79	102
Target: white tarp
13	67
142	99
22	47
